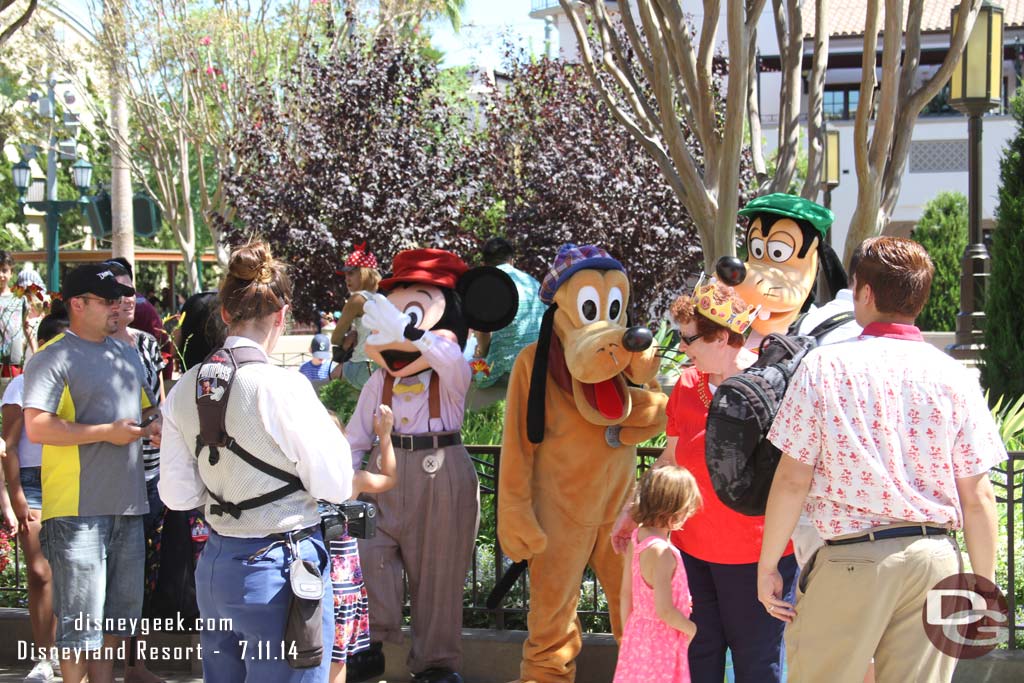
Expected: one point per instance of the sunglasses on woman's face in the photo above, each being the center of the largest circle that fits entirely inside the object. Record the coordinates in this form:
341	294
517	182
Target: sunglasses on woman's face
689	340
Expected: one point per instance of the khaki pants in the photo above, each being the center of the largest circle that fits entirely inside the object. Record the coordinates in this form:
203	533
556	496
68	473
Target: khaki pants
427	525
865	600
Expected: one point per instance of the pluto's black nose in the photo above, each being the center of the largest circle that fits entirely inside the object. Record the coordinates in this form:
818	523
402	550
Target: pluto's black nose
637	339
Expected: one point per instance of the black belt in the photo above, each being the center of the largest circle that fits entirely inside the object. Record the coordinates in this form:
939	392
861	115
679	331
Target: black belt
296	536
412	442
894	532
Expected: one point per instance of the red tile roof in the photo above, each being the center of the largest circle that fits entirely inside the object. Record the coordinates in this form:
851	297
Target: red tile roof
846	17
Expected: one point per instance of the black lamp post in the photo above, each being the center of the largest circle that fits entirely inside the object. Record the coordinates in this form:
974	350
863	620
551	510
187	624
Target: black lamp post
975	88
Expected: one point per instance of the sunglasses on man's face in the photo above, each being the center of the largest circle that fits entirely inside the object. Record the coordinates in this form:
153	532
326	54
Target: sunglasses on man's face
101	300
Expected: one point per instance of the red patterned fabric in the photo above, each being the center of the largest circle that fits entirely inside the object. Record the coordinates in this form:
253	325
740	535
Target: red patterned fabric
888	424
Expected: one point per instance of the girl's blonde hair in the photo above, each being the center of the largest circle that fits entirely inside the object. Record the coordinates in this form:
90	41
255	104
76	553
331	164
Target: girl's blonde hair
664	493
369	278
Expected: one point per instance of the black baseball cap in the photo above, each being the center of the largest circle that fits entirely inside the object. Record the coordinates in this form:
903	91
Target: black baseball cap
94	278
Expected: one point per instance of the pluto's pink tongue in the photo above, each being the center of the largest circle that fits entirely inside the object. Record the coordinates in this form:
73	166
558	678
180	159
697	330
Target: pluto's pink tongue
606	395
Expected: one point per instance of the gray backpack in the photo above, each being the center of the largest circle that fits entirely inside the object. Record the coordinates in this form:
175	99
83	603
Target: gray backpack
740	459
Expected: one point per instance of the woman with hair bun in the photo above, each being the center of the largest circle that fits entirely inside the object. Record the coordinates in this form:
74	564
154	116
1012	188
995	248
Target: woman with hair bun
264	537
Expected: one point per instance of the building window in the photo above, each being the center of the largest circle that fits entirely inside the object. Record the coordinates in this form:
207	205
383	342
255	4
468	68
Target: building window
840	102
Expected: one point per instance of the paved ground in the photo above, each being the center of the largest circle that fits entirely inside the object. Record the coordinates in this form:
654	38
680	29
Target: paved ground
17	675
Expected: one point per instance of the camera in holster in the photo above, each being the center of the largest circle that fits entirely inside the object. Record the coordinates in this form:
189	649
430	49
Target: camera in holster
356	517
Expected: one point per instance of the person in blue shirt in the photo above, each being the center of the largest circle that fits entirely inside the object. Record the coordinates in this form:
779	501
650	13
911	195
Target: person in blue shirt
320	369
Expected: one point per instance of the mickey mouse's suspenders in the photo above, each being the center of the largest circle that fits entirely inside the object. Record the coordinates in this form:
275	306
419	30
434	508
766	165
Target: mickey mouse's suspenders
433	394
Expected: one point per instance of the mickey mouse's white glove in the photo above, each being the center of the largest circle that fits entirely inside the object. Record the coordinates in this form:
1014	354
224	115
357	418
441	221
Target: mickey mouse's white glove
387	322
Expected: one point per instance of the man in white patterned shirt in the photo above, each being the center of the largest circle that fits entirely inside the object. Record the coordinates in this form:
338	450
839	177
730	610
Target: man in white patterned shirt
887	443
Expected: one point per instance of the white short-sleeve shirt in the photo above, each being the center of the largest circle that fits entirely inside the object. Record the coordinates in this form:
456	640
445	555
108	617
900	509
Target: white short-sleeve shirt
889	424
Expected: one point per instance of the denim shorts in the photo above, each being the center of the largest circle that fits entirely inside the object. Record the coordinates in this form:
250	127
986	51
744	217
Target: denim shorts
97	565
32	485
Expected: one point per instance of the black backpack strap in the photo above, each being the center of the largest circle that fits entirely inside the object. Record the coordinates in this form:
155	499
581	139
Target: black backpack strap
832	323
213	387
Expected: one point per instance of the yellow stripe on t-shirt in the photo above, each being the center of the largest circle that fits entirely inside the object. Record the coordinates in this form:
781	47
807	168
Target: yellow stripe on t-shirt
51	342
62	468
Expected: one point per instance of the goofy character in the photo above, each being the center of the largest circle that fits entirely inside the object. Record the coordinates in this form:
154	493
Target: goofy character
427	524
786	248
579	400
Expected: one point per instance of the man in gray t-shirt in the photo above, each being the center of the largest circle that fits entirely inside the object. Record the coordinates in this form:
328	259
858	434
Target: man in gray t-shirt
84	397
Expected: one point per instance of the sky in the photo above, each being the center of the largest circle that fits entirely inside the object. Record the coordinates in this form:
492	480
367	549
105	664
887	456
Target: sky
485	24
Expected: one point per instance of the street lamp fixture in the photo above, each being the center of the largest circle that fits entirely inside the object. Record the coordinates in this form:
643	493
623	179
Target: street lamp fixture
81	171
975	88
830	167
976	85
22	174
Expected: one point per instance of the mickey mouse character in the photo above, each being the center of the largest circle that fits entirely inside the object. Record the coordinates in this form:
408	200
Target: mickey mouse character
427	524
786	247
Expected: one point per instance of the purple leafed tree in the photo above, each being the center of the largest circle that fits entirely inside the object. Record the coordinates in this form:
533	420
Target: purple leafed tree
567	171
356	145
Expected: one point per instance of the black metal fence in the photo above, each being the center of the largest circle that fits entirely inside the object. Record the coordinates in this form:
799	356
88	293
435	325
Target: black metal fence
1008	481
489	563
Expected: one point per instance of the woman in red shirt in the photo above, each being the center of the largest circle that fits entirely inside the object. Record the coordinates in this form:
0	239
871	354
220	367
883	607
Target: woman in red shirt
720	547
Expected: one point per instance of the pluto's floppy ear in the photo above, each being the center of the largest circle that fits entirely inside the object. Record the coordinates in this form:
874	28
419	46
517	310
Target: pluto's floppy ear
832	267
489	298
535	416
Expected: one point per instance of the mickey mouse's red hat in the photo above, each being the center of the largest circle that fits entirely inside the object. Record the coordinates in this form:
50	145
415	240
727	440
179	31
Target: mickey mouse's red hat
359	258
425	266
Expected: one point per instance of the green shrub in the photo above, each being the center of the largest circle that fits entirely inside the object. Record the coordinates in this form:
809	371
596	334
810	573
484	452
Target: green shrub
942	230
1003	356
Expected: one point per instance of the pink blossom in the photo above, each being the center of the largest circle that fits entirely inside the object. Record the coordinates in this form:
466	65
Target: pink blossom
209	71
224	87
205	40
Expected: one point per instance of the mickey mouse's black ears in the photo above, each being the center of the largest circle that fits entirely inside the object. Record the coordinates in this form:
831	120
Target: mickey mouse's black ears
489	298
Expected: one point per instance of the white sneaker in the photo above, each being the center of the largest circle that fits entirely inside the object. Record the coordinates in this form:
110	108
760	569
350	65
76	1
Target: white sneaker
42	672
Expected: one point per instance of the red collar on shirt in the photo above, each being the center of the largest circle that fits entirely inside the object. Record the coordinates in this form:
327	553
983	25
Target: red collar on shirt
893	331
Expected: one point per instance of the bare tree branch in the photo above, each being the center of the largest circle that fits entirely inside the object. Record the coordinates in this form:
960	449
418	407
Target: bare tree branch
19	22
815	101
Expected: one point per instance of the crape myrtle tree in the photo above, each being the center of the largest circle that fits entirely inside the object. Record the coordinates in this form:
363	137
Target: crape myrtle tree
565	171
678	63
357	145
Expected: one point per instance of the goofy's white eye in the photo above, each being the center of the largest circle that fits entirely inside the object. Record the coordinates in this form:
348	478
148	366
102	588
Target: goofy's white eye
757	248
614	304
415	313
779	251
588	304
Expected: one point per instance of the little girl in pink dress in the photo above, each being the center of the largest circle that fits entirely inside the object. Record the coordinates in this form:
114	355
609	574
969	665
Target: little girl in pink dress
656	600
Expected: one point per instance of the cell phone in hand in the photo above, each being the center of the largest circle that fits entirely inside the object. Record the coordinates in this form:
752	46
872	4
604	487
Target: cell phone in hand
148	421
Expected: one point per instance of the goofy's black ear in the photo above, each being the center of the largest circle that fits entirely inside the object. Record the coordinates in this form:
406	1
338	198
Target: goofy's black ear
489	298
535	413
832	268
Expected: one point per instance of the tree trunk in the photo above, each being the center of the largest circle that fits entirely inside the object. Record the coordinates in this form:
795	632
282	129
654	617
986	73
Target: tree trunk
815	103
121	216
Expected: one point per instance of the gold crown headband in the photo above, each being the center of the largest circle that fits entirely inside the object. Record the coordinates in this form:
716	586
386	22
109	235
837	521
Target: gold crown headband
722	313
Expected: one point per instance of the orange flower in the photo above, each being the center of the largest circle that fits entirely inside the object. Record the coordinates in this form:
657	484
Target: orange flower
480	365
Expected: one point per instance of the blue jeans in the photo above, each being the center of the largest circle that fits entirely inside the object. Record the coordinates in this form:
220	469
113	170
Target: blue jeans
32	485
248	590
728	615
97	564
